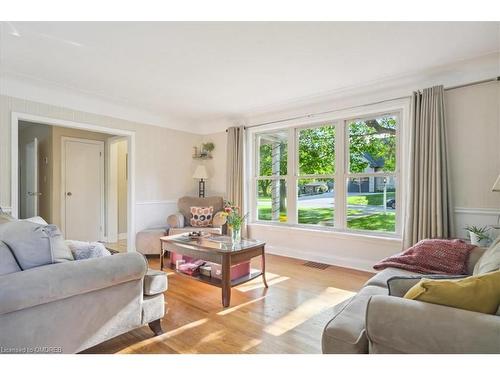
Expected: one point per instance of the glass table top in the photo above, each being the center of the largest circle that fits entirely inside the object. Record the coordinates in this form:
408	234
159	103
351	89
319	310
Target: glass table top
214	242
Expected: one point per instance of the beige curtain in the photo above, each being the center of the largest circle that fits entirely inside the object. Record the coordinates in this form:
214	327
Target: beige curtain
429	209
234	173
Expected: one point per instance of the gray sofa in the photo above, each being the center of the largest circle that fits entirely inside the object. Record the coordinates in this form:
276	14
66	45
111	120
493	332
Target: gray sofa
51	303
375	322
75	305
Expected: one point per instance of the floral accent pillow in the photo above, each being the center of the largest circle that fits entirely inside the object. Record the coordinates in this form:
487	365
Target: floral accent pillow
201	216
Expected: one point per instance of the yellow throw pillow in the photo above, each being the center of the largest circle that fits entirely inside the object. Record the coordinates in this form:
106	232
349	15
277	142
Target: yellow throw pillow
474	293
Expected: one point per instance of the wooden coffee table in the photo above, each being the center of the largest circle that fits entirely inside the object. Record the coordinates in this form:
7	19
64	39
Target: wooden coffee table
218	249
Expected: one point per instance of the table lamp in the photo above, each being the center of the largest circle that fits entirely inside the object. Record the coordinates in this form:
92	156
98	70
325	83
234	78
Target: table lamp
201	174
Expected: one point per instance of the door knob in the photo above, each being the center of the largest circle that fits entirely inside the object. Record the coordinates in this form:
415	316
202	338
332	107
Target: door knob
69	194
32	194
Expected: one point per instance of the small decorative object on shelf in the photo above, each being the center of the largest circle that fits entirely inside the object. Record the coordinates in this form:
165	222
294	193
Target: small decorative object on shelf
234	221
204	152
478	235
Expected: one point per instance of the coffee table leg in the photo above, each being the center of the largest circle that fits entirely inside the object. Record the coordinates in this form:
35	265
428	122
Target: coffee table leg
263	260
226	280
161	255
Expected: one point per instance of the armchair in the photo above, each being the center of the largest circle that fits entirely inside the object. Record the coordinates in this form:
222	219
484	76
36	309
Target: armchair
179	222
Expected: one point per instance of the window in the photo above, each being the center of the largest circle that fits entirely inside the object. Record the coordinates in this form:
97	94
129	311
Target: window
340	175
271	181
315	181
371	181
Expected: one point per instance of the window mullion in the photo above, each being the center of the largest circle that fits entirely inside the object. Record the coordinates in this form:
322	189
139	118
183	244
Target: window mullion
340	185
292	176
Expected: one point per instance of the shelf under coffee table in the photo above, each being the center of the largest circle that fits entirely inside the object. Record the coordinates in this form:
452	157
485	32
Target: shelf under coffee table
218	249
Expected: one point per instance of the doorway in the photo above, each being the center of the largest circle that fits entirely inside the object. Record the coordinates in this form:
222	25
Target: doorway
52	191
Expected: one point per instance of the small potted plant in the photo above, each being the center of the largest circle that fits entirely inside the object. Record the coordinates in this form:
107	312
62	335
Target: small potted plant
207	148
478	235
234	221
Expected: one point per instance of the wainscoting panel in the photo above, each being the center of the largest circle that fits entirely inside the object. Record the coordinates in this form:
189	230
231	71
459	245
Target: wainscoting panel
475	216
151	214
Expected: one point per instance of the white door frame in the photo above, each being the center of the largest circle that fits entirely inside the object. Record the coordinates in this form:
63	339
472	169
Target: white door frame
112	234
18	116
62	197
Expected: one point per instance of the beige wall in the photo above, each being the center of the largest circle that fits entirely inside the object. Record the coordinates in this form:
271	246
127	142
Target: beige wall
122	186
216	184
472	115
164	165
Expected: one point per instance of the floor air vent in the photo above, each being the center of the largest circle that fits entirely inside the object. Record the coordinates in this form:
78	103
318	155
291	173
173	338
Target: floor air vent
320	266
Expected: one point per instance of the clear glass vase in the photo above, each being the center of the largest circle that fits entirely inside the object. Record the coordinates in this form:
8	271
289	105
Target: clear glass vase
235	235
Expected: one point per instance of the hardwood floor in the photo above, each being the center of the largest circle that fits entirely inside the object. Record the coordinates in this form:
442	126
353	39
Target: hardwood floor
287	318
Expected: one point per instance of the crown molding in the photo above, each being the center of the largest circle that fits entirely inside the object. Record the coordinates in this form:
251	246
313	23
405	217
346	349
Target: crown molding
456	73
29	88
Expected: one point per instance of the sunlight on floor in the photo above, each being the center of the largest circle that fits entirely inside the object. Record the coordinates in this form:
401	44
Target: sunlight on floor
232	309
257	283
251	343
314	306
166	335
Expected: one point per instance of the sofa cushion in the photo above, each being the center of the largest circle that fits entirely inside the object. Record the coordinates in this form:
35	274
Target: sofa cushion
87	250
5	217
381	278
34	245
474	257
399	285
201	216
490	260
155	282
473	293
8	263
185	204
37	220
345	333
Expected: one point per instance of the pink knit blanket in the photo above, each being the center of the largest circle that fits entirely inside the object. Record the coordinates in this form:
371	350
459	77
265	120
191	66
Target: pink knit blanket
431	256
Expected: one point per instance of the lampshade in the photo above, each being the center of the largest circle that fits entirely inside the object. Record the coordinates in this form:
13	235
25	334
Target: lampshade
496	185
200	172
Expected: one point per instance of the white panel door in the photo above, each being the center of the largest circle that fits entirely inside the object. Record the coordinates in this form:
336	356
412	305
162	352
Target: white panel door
31	178
83	189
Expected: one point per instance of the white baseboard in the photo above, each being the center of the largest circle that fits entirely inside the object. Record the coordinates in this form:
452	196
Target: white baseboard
357	264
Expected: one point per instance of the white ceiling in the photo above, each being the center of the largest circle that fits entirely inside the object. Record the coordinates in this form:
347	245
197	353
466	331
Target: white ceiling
195	72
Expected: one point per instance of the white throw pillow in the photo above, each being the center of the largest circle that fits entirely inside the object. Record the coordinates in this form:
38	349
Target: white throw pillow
490	260
36	220
86	250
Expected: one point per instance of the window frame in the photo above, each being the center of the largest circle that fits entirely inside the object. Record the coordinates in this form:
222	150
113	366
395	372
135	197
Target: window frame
340	121
296	169
395	174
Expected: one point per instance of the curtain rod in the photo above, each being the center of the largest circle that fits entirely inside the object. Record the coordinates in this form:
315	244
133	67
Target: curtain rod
495	79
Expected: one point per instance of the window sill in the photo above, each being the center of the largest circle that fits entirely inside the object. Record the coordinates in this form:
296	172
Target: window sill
330	232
